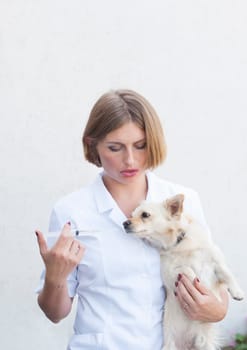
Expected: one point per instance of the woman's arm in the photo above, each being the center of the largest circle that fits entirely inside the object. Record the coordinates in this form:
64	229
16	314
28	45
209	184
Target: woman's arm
54	300
198	302
59	262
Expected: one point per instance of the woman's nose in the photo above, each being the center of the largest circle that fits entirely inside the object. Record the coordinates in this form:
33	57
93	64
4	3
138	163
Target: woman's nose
129	157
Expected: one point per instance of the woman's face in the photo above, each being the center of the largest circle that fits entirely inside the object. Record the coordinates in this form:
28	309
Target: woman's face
123	153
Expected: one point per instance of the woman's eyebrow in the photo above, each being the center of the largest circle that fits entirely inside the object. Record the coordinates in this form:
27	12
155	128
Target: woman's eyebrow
120	143
114	142
142	140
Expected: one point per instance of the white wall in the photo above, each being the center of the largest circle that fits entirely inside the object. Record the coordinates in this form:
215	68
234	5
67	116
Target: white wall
56	58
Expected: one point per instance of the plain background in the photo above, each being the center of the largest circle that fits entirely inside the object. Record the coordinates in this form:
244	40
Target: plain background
189	58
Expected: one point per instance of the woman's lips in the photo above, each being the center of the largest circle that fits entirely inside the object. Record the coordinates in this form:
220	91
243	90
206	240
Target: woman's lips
129	172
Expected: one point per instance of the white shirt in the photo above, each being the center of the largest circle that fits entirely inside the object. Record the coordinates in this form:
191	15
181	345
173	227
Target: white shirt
118	282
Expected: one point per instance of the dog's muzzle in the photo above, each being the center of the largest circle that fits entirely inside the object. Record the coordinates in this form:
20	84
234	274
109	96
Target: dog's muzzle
127	225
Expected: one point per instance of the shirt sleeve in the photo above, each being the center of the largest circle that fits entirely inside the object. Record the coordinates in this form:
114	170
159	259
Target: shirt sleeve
56	224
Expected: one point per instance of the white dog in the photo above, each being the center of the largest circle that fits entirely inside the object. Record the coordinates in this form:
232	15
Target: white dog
186	249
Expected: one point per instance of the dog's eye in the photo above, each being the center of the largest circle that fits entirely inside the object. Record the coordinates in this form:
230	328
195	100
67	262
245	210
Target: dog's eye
145	215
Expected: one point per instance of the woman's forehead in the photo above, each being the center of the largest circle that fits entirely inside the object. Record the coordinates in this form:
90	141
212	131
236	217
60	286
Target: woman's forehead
129	132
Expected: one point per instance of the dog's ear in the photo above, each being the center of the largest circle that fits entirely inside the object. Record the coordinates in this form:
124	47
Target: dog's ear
174	205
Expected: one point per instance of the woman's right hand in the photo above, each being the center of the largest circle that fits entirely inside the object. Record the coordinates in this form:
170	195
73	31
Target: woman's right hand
61	259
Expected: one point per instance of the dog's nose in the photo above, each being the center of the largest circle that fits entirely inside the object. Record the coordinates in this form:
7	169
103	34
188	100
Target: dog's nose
126	224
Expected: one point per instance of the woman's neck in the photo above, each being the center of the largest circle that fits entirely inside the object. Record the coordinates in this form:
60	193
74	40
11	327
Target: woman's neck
127	196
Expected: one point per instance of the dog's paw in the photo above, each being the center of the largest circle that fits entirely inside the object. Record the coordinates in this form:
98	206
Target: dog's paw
190	274
186	270
236	294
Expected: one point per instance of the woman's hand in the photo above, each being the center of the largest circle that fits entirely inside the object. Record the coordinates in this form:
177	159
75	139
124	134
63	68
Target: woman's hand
198	302
63	257
60	261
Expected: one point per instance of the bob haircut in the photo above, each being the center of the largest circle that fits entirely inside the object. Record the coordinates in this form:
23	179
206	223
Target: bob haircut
113	110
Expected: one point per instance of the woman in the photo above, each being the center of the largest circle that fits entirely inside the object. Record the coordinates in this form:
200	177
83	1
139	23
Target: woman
117	276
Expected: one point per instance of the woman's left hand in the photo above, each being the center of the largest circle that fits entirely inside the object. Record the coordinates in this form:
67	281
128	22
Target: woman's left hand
198	302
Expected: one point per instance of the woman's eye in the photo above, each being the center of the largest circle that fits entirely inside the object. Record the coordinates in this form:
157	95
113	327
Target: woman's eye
141	145
114	148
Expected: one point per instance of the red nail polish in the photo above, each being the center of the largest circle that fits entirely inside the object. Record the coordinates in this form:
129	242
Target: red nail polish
175	293
176	283
36	233
179	276
197	279
69	223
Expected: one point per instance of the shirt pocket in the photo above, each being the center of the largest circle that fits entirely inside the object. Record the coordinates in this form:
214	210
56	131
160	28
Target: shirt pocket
90	341
90	268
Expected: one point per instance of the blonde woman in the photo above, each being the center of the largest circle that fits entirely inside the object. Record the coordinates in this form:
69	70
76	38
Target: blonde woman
115	276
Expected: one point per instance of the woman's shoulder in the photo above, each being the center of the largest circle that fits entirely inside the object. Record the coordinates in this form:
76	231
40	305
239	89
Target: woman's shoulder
77	198
167	188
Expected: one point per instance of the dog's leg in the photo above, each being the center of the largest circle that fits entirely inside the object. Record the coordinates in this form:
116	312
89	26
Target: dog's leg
206	338
186	270
174	324
206	347
169	343
169	346
225	276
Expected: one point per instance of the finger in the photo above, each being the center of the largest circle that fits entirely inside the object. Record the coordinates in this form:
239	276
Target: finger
200	287
65	238
77	250
190	289
41	242
66	231
183	295
80	252
75	247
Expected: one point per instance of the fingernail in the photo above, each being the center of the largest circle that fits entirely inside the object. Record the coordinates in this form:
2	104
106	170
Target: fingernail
175	293
179	276
36	233
69	223
197	279
176	283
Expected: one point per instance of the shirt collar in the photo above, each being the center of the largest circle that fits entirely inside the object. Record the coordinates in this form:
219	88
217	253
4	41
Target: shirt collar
103	198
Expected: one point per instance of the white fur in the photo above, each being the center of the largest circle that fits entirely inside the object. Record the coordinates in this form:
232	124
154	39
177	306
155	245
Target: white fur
163	225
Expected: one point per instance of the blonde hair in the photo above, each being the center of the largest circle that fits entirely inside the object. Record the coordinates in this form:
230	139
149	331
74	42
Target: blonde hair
114	109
